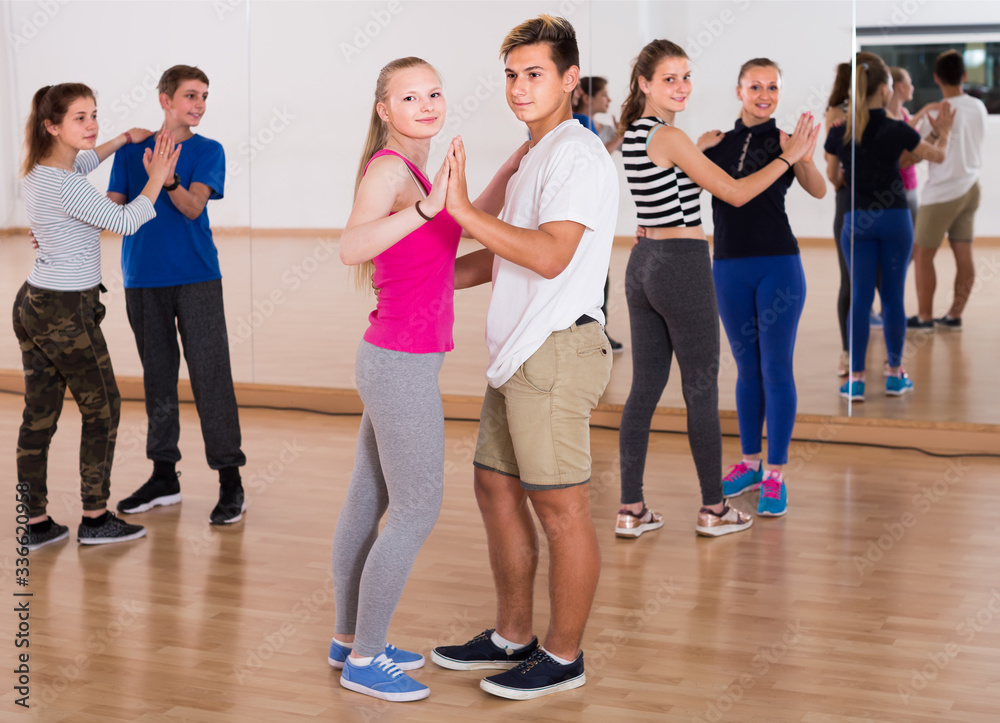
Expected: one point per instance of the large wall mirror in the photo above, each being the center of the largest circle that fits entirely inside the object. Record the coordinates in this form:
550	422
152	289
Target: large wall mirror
123	68
292	116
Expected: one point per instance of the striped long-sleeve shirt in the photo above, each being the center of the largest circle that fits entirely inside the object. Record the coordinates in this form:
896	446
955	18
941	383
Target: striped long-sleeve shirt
67	214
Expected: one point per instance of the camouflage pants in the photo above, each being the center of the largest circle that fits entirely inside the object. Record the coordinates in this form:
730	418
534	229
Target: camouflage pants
62	346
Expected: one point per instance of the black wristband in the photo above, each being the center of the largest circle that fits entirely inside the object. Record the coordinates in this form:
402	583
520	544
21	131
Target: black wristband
423	215
779	158
173	186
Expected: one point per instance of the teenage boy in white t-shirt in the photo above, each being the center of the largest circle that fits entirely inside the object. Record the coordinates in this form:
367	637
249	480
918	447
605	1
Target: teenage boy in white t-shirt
950	198
550	361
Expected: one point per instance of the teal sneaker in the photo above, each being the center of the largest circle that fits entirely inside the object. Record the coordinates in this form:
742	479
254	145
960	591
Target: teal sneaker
773	497
404	659
740	479
382	679
898	386
854	389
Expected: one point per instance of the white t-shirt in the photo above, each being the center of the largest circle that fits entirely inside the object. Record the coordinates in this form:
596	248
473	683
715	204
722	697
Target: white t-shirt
567	176
964	156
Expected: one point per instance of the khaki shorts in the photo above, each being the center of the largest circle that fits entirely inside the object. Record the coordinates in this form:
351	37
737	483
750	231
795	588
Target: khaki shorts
536	426
952	217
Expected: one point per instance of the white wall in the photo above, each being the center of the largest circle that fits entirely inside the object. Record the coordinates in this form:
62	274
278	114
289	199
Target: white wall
120	49
292	110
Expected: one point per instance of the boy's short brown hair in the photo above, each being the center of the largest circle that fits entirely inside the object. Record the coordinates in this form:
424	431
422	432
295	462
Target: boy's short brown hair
555	32
950	67
173	77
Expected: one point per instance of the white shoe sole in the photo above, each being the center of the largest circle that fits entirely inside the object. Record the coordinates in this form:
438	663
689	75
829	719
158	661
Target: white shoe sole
633	532
723	530
773	514
231	521
40	545
164	501
478	665
898	392
518	694
390	697
749	488
109	540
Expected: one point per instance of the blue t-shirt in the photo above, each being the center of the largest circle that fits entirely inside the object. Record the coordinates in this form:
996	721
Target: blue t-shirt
586	121
875	180
760	226
172	249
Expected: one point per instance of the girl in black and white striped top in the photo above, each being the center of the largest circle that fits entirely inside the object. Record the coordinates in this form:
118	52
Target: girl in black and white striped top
668	281
57	313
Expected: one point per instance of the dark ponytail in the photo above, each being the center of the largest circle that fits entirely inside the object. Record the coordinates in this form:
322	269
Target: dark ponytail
644	66
49	104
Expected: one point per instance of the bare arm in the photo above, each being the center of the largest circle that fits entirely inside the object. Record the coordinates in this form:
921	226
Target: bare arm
808	175
491	199
547	250
191	201
835	171
385	189
106	149
474	269
671	146
934	147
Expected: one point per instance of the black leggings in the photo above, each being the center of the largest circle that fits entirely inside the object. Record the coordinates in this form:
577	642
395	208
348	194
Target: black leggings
672	311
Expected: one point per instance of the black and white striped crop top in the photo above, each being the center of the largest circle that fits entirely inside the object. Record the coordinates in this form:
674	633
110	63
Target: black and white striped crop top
663	196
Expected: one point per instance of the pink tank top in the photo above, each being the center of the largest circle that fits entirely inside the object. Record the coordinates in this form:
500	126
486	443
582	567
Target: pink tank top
415	277
909	173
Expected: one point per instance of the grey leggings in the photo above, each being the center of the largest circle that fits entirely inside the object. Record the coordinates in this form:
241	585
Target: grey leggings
672	311
398	470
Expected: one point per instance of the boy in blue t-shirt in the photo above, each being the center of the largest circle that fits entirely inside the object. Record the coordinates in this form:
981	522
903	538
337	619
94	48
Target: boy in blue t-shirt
173	283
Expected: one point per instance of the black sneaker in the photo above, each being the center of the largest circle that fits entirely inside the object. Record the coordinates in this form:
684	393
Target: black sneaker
54	533
157	492
616	346
949	322
914	322
481	653
113	529
231	505
537	676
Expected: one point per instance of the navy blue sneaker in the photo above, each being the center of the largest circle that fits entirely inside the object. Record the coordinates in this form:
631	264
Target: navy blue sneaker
403	659
537	676
481	653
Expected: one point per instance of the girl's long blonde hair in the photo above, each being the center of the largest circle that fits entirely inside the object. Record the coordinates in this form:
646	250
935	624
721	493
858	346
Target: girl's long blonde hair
378	136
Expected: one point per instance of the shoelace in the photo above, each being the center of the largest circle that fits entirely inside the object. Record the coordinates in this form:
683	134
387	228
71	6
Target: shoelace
771	488
389	667
736	471
534	659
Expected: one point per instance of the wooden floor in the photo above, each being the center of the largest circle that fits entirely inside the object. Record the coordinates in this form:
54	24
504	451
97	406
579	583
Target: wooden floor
876	599
294	319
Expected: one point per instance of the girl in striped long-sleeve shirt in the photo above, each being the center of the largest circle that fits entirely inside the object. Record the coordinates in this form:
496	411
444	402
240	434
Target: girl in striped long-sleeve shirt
57	312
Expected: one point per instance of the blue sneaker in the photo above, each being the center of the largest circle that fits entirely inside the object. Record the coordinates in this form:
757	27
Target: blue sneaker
481	653
773	497
383	680
875	320
898	386
854	389
740	479
404	659
537	676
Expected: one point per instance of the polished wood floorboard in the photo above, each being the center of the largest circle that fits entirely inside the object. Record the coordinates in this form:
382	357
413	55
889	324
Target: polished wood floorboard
294	319
875	599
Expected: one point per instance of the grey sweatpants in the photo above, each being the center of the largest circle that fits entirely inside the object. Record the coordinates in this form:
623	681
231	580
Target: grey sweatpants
398	471
672	312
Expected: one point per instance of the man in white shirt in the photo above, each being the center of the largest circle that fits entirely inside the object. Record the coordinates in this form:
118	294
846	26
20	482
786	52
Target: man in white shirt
550	361
949	200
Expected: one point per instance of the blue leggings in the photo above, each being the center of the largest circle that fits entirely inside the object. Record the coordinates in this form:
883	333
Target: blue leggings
760	302
882	240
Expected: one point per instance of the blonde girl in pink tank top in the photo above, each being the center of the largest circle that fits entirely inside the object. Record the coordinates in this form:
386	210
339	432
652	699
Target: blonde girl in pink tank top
400	237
